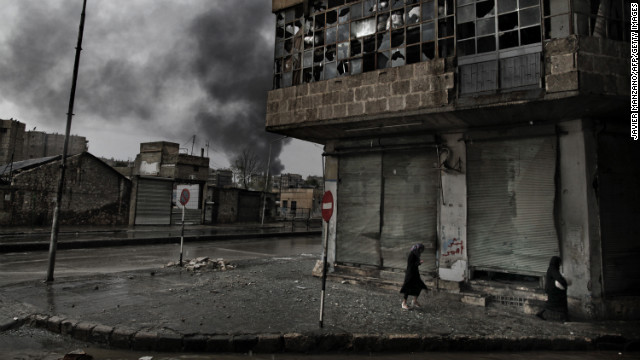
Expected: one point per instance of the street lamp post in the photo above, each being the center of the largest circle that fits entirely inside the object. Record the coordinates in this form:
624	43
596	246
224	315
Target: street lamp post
266	178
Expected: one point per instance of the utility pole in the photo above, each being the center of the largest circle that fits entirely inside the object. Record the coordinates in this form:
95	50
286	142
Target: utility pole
193	143
56	210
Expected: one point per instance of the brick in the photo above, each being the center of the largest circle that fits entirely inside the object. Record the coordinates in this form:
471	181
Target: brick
311	114
375	106
275	95
405	72
435	99
364	93
347	96
53	324
388	75
422	84
325	112
330	98
382	91
336	85
412	101
396	103
67	326
369	78
302	90
562	82
316	100
339	110
318	87
401	87
355	109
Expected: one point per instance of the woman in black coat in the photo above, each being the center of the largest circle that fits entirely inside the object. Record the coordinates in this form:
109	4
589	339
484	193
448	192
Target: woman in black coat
413	284
556	288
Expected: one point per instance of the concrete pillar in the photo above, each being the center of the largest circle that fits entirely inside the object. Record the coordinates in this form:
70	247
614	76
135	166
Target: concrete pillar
331	184
578	221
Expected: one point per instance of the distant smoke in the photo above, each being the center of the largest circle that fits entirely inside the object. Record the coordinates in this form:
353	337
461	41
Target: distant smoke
233	57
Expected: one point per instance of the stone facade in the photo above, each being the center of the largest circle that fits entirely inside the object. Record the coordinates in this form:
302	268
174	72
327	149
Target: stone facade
94	194
11	139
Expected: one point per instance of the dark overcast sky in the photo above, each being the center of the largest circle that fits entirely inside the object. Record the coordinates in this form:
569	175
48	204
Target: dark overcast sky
149	70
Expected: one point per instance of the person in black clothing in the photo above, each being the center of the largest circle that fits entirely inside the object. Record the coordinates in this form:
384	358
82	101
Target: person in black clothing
556	289
413	284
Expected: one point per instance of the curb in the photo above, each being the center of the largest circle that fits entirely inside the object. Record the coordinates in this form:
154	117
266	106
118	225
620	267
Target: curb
128	339
84	244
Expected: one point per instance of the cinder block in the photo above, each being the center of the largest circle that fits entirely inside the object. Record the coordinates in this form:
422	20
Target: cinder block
82	331
53	324
169	342
474	300
122	338
67	326
101	333
144	341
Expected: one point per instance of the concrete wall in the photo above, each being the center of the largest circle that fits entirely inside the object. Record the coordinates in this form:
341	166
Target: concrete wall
11	140
39	144
94	194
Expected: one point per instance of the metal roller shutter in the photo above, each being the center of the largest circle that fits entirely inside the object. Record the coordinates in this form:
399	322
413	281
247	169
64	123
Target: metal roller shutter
410	206
358	210
153	202
511	191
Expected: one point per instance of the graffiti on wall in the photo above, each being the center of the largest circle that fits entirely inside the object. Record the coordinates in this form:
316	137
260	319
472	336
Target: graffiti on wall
452	247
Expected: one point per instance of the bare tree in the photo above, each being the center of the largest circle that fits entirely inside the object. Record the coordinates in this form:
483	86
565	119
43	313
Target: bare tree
246	167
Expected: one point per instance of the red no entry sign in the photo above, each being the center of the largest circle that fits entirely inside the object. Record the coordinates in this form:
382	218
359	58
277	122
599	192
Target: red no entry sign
184	197
327	206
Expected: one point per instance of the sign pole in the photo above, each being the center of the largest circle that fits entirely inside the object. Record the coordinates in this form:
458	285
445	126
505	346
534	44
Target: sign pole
327	213
182	236
324	269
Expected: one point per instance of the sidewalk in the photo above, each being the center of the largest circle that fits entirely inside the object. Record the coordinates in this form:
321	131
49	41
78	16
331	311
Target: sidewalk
272	305
13	239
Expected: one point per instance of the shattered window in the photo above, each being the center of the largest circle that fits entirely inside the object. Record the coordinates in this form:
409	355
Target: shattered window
344	37
598	18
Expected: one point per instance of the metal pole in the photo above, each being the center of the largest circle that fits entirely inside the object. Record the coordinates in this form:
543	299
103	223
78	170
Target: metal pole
56	210
182	235
266	179
324	269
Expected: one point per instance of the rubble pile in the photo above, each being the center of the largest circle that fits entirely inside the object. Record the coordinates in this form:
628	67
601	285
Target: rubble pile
203	263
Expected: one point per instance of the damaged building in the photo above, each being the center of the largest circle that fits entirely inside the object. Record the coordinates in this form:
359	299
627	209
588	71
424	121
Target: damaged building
495	132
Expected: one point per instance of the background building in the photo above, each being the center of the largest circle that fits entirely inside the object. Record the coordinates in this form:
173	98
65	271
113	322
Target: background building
11	140
494	132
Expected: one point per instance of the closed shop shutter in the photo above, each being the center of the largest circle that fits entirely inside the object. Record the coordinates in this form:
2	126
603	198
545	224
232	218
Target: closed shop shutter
619	195
511	192
153	202
249	207
410	203
358	209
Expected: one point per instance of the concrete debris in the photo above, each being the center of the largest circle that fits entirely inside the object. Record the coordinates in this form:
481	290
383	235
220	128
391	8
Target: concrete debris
202	263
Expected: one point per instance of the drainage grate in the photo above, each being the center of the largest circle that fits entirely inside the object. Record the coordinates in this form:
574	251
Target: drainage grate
508	300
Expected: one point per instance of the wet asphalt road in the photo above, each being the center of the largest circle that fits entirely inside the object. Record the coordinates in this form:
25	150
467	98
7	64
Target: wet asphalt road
19	267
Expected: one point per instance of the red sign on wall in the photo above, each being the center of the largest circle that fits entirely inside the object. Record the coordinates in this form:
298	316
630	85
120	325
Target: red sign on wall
327	206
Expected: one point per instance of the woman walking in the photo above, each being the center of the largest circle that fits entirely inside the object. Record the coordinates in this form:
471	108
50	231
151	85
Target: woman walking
413	284
556	289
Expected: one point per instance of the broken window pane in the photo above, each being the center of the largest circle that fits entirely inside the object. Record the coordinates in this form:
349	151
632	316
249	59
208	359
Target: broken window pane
508	21
363	27
466	14
356	66
277	66
319	21
398	58
397	18
307	75
428	12
318	55
343	32
486	44
280	19
330	71
332	18
485	9
396	4
486	26
307	60
397	38
356	11
445	27
506	6
428	51
318	72
288	46
384	41
343	67
289	15
445	48
466	30
428	31
290	30
319	5
308	41
343	50
288	64
383	60
279	33
466	47
413	15
529	16
331	35
413	35
280	49
297	64
334	3
287	79
383	5
356	47
369	62
318	38
445	7
369	44
530	35
383	22
508	40
330	53
370	7
343	16
413	54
